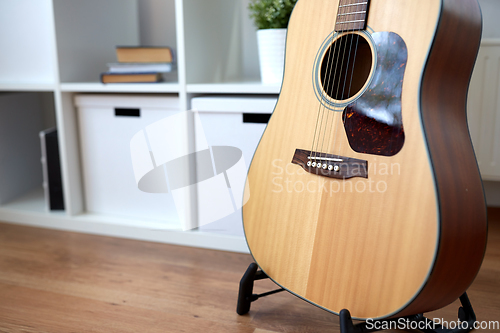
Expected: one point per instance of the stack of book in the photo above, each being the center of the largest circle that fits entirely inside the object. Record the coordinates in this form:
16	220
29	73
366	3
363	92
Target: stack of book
139	65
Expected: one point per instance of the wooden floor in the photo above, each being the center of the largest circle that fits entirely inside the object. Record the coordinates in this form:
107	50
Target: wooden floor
53	281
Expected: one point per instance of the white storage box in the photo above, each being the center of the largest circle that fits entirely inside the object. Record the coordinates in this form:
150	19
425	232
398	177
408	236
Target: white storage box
21	119
230	121
108	125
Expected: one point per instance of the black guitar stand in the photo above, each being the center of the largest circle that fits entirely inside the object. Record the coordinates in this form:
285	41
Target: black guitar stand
418	322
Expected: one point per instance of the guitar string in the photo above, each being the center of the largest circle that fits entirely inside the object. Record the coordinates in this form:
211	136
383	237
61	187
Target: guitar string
344	113
335	95
331	81
328	90
329	66
328	81
343	39
335	125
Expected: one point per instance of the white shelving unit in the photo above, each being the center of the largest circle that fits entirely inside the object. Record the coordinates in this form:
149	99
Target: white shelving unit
97	87
233	88
58	48
27	39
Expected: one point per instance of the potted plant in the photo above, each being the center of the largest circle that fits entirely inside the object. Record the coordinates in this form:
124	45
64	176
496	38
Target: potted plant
271	19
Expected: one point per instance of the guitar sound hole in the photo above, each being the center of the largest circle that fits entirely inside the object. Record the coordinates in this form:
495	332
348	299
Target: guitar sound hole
346	66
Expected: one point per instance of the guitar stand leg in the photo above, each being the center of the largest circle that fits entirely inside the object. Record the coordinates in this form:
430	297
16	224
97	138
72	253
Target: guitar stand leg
466	317
245	294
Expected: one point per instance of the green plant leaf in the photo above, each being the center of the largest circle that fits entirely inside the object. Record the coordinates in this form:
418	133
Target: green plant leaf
271	14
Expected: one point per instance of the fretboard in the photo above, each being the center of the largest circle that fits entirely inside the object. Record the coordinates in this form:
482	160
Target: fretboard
352	15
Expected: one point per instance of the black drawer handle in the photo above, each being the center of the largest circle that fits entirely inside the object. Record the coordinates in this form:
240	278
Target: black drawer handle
256	118
123	112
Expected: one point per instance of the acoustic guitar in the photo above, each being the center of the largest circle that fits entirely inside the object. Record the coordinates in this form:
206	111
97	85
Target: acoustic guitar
364	190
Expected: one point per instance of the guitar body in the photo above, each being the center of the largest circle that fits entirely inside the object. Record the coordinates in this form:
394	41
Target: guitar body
409	236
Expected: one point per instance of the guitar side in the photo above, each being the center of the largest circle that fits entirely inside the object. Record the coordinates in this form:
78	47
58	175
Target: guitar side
380	246
462	207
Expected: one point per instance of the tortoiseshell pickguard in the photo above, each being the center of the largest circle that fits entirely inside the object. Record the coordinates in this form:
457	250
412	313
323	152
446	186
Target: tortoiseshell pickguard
373	123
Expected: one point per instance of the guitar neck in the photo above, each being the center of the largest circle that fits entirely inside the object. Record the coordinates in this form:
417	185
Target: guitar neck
352	15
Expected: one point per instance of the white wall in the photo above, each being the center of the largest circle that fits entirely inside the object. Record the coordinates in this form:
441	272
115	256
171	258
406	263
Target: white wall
491	29
491	13
155	22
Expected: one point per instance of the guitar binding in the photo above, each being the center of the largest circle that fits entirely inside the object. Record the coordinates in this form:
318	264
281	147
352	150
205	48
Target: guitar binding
418	322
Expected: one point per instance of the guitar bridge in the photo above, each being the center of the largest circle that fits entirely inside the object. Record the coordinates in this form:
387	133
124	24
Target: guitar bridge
328	165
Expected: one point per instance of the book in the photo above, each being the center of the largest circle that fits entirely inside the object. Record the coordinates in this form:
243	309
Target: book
134	67
108	77
143	54
51	166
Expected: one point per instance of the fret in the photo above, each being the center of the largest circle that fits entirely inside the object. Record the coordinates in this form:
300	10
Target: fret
341	14
354	4
350	21
351	15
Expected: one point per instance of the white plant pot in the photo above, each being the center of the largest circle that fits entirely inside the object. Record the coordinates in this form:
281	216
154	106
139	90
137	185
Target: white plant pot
271	44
